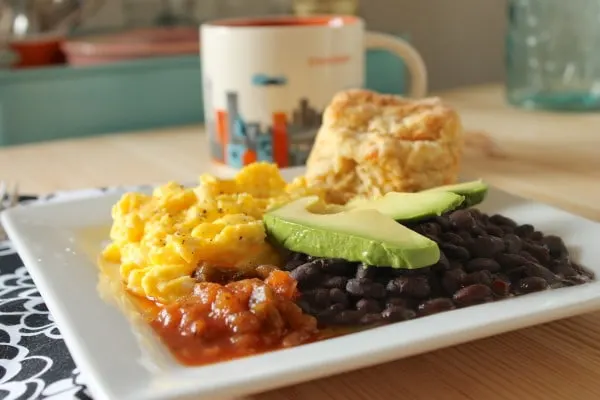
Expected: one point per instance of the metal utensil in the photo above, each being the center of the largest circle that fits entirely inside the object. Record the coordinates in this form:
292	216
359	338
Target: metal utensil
9	197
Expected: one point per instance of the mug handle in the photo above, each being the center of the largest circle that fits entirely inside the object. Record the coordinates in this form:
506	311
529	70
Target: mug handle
411	57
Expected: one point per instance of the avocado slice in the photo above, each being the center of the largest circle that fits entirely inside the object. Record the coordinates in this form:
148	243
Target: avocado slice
406	207
473	191
361	235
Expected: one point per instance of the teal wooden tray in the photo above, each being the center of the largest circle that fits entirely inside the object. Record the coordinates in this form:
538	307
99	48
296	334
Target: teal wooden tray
65	102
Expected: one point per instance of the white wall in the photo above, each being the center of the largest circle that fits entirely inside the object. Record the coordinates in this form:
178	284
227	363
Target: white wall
462	41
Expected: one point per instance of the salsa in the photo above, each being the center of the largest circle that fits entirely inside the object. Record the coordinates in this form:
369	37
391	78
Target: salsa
220	322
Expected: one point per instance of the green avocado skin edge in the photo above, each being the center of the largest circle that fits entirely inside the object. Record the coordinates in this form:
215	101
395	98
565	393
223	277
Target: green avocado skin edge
409	207
294	237
474	192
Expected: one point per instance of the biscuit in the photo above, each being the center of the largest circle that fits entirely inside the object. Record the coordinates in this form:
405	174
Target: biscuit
370	144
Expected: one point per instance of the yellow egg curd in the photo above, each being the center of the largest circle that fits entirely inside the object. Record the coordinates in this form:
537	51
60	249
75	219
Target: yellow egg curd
158	240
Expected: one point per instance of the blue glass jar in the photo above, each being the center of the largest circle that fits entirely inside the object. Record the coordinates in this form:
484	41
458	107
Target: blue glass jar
553	54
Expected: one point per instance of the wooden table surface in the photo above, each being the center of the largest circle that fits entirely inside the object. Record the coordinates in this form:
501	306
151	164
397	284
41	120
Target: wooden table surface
545	156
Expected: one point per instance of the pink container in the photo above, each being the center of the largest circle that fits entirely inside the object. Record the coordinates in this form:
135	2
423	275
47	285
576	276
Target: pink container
135	44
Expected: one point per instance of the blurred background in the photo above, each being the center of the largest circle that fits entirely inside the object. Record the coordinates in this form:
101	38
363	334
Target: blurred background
72	68
462	42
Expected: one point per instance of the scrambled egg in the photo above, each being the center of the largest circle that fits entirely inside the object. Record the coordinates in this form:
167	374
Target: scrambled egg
159	239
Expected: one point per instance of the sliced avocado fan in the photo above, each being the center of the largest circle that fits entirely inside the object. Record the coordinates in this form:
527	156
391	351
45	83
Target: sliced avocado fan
405	207
473	191
361	235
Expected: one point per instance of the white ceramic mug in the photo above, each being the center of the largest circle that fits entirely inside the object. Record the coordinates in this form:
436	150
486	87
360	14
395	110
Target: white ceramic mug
267	81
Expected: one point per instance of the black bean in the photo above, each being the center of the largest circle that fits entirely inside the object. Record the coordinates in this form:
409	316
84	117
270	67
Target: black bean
396	314
396	301
435	306
368	306
306	274
411	272
478	231
478	214
465	235
317	262
502	220
524	231
535	269
583	271
513	243
292	264
453	280
432	237
494	230
365	288
484	277
442	222
564	270
300	257
348	317
484	219
574	280
456	265
330	313
338	296
363	271
384	274
454	252
337	266
479	264
337	307
536	236
509	261
532	284
555	245
452	238
471	295
442	265
487	246
539	251
528	256
370	319
507	229
321	298
462	219
500	287
517	273
413	286
435	285
430	228
338	282
305	306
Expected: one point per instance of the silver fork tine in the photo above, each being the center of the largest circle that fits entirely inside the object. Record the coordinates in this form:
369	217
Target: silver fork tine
14	197
2	207
2	194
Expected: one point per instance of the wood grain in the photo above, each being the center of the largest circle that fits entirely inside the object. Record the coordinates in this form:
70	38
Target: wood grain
549	157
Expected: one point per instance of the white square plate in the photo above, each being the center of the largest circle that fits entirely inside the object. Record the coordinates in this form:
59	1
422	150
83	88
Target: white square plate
122	359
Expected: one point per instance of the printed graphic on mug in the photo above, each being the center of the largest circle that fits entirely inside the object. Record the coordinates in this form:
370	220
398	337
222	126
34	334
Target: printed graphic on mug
285	139
267	81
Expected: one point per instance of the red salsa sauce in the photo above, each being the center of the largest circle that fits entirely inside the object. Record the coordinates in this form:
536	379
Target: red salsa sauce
220	322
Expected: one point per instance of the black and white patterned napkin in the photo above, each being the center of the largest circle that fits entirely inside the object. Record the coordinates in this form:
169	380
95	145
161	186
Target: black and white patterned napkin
34	360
